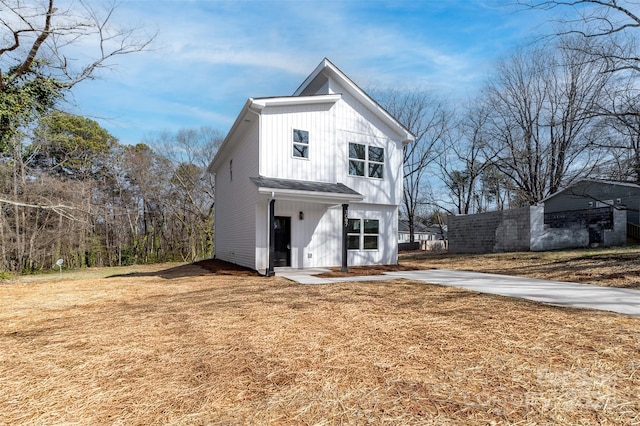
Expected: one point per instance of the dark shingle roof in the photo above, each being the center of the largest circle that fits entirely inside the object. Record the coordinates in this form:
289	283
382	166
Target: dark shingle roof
303	185
403	226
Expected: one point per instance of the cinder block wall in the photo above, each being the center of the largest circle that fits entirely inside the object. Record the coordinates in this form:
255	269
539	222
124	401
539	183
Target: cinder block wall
618	235
545	238
506	230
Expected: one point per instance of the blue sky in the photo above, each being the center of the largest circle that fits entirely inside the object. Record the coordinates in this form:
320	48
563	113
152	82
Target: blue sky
211	55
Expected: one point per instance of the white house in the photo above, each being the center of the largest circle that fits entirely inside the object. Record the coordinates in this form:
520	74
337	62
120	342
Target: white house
310	180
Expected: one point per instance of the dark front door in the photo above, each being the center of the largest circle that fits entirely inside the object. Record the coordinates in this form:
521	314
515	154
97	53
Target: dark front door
282	241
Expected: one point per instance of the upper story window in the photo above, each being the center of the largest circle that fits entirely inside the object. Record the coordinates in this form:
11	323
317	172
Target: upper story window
300	143
366	160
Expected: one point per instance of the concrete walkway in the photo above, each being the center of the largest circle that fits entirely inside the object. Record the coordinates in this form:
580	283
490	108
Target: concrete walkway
624	301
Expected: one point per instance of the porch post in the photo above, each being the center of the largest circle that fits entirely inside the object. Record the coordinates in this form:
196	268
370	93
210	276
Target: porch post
272	242
345	224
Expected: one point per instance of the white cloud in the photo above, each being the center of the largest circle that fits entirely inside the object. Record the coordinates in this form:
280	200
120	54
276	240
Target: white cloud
209	56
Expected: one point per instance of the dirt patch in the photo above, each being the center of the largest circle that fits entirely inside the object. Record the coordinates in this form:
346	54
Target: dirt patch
220	267
201	268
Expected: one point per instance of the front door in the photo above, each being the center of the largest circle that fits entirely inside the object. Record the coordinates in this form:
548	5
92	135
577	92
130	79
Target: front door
282	241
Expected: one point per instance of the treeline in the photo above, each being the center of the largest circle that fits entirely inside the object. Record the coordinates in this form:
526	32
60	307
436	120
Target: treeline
548	115
72	191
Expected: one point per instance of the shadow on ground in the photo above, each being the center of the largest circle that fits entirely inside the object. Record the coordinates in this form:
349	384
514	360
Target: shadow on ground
196	269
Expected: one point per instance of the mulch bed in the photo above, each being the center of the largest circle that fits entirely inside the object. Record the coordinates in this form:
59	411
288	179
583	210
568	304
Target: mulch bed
356	271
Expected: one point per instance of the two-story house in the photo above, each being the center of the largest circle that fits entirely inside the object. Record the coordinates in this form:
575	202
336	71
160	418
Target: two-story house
310	180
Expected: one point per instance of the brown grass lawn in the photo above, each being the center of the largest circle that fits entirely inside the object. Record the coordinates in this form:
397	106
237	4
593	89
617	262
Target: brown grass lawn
615	267
179	344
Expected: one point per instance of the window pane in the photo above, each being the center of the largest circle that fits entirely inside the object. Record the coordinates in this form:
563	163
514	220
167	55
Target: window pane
371	226
375	170
356	151
353	226
370	242
353	242
376	154
300	151
300	136
356	168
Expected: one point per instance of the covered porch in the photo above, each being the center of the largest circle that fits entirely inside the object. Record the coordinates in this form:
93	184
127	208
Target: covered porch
301	224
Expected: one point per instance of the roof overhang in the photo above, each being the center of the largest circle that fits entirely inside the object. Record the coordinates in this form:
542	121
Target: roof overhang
314	192
328	68
260	103
253	108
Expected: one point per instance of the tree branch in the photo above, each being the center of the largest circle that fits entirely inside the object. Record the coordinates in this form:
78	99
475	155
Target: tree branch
61	209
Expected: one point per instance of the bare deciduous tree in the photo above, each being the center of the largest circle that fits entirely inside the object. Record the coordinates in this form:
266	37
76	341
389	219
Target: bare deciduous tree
542	128
428	118
612	20
464	161
39	50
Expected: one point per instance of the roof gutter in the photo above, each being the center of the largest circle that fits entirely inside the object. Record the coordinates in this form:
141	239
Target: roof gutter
292	194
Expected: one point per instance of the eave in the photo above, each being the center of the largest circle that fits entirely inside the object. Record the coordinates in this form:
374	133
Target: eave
329	69
255	107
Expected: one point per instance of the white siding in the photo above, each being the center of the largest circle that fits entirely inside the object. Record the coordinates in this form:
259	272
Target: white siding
242	215
331	128
387	253
235	226
276	150
316	240
355	123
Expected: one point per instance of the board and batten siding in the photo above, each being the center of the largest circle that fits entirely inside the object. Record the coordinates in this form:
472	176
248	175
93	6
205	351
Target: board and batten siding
235	237
331	128
387	252
356	123
276	150
316	240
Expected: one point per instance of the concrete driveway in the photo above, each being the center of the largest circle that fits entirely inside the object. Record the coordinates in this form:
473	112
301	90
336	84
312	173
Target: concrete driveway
621	300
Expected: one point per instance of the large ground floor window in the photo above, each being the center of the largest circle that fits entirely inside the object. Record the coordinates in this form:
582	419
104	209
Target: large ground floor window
363	234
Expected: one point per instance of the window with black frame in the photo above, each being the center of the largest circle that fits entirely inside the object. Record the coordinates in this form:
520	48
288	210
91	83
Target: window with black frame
353	234
366	161
363	234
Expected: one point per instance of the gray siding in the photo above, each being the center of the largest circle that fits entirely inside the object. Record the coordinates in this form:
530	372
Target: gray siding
588	194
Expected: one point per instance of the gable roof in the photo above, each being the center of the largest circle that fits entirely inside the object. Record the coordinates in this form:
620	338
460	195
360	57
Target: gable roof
325	70
306	95
630	185
418	228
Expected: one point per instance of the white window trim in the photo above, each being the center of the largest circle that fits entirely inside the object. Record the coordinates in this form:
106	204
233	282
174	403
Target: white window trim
366	161
294	143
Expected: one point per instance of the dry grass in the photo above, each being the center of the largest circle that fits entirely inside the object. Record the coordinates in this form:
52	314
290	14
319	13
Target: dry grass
613	267
182	345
